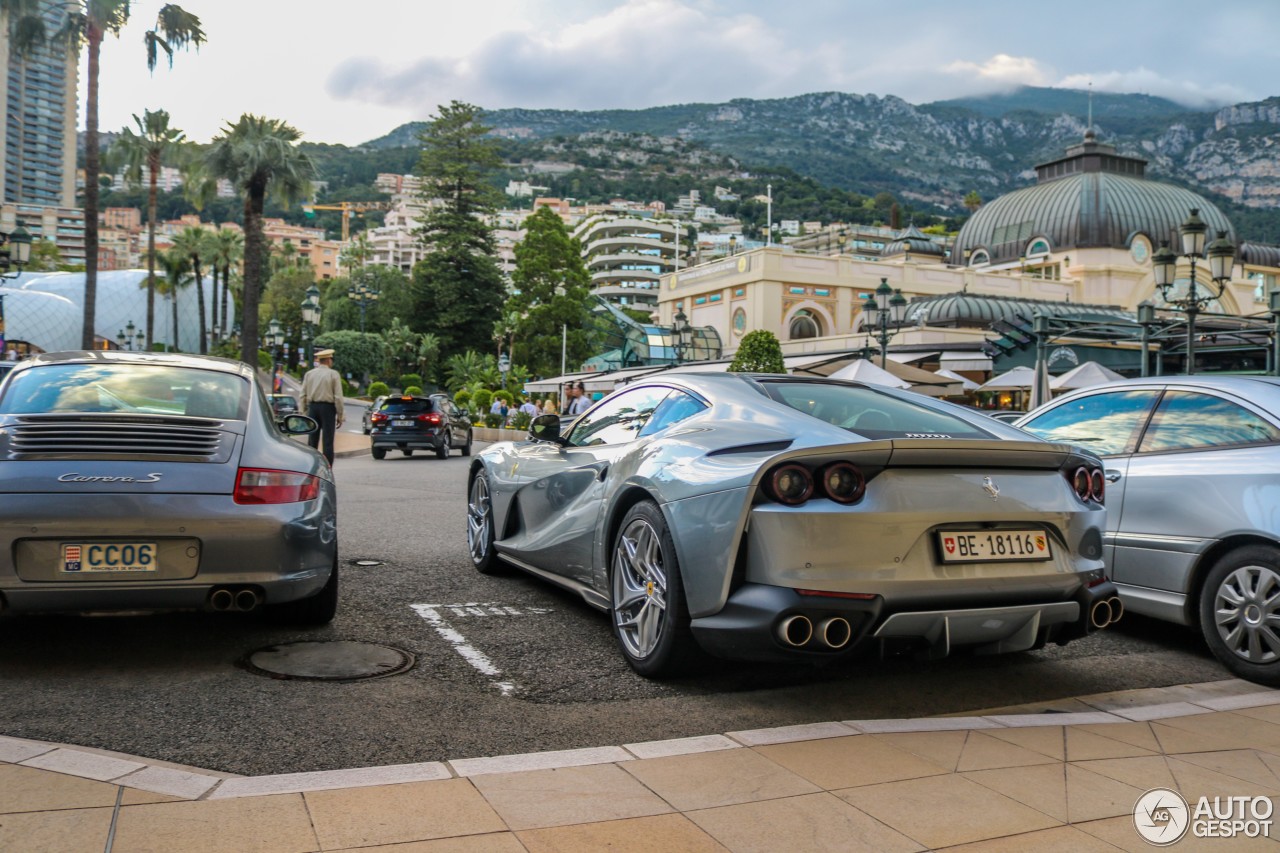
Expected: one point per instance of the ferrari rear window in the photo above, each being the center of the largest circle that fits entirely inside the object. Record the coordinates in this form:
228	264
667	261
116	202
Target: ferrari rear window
870	413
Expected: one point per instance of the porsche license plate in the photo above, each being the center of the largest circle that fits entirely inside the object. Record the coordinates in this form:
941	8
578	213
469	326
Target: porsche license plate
86	557
993	546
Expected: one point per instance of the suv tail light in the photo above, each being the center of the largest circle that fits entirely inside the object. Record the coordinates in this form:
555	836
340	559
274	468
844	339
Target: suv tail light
266	486
378	417
433	418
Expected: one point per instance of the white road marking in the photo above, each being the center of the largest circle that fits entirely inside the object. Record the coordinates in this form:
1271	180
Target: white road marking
472	655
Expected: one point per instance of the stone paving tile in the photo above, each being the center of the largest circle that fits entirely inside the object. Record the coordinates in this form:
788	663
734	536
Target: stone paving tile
14	749
1041	786
1120	832
718	778
413	811
659	834
539	760
74	829
1267	713
277	824
680	746
27	789
1243	764
848	762
814	822
1242	731
1060	839
941	811
1242	701
1017	721
175	783
922	724
540	798
940	748
984	752
790	734
88	765
1143	772
327	780
497	842
1092	796
1195	782
1160	712
1046	740
1085	745
1137	734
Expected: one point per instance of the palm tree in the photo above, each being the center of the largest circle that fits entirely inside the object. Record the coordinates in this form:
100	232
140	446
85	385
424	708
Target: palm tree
88	22
229	251
195	242
145	149
177	275
258	155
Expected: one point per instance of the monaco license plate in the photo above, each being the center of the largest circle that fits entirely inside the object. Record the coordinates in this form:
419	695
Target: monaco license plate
86	557
993	546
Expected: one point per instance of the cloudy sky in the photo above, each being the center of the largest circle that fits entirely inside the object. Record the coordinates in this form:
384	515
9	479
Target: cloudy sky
347	72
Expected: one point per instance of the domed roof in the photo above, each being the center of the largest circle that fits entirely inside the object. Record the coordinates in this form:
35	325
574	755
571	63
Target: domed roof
1092	198
973	310
913	241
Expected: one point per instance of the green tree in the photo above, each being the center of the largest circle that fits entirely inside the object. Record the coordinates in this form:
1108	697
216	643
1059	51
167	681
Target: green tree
395	299
551	291
88	22
45	256
282	300
176	267
759	352
142	150
458	286
355	353
228	251
259	156
196	243
972	201
465	368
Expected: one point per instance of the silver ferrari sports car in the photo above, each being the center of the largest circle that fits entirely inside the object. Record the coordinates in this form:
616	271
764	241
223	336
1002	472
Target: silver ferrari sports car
773	517
148	481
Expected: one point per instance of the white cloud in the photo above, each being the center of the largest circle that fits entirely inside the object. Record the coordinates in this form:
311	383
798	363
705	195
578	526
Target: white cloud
1147	82
1002	70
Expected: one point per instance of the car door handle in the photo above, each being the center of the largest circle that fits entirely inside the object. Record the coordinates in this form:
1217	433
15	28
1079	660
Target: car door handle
1113	476
604	469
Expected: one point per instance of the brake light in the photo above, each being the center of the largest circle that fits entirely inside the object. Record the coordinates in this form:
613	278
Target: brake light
789	484
432	418
1089	484
266	486
378	417
843	482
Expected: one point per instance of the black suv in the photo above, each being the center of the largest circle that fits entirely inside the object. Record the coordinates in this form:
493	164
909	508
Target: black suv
419	423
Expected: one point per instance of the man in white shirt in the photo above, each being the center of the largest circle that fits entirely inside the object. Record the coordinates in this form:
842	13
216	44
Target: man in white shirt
322	400
581	402
528	408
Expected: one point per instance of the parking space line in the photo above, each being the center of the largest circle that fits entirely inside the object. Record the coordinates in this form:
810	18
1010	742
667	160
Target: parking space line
469	653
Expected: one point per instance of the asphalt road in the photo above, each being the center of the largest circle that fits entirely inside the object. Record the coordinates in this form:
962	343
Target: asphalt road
503	664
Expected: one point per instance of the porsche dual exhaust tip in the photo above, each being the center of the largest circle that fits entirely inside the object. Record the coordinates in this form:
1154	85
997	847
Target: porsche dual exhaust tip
225	598
1106	612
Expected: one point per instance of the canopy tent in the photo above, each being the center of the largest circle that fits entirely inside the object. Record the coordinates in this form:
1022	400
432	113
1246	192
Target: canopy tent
1018	379
863	370
1085	376
965	384
924	381
819	365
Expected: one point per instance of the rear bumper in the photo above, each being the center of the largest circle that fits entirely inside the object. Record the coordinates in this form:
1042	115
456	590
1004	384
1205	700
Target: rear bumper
406	441
768	623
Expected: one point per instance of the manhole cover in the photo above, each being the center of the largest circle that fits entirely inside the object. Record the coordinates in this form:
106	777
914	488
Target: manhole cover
339	660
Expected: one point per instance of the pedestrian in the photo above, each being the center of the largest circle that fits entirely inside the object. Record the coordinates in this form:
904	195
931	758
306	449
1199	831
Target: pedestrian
322	401
581	402
528	407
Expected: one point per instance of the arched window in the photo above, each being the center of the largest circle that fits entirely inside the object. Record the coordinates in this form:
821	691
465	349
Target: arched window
804	324
1038	247
979	258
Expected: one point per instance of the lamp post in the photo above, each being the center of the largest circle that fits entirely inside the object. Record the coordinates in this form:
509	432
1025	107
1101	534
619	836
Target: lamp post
684	336
126	336
504	367
310	318
886	309
1220	254
733	244
1274	305
1146	319
362	294
15	252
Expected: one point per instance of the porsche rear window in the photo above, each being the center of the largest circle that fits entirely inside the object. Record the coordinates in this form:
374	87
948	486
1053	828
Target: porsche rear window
147	389
870	413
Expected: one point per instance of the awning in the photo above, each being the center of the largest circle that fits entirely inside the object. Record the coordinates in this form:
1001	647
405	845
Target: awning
823	364
964	361
610	380
547	386
910	357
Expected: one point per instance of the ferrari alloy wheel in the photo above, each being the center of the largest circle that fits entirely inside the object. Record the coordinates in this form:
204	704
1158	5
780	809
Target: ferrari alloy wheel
1240	613
650	617
480	526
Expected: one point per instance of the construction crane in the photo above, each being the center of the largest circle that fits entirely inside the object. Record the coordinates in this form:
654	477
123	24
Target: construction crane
348	208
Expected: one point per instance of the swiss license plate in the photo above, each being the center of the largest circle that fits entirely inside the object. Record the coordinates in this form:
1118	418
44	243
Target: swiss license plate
993	546
403	423
87	557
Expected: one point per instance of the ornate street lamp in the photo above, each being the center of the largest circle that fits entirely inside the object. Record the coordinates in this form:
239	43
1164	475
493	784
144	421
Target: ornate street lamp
684	336
310	318
1221	256
1146	319
362	294
125	337
15	252
885	310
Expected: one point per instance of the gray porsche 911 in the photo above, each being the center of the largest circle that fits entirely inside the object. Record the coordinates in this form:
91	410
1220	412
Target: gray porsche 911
778	517
149	481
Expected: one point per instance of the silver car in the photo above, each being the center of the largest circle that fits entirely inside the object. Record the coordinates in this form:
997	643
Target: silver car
155	482
1193	530
787	518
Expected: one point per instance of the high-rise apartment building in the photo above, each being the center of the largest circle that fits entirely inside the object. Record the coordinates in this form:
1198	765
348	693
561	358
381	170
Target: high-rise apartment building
38	101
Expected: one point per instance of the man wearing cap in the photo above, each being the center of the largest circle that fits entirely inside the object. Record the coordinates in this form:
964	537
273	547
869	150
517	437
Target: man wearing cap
322	400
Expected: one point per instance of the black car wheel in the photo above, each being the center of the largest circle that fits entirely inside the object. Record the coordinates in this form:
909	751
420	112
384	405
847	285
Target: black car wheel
649	613
466	448
313	611
480	526
407	451
442	451
379	453
1240	613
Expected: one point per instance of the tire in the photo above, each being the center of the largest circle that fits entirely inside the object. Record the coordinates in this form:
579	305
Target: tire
366	430
379	453
313	611
1240	613
407	452
480	526
466	448
442	452
647	604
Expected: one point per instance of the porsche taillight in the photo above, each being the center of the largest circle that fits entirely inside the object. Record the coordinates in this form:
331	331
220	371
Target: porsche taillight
268	486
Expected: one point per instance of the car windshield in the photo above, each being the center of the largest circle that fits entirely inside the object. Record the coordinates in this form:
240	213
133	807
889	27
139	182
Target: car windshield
397	406
148	389
870	413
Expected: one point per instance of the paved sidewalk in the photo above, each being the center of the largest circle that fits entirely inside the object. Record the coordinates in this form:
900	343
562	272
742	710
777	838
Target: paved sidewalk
1063	776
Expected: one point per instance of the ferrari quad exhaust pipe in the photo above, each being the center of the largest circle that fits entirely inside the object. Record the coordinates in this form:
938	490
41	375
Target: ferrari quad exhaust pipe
1106	612
835	633
222	599
795	631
